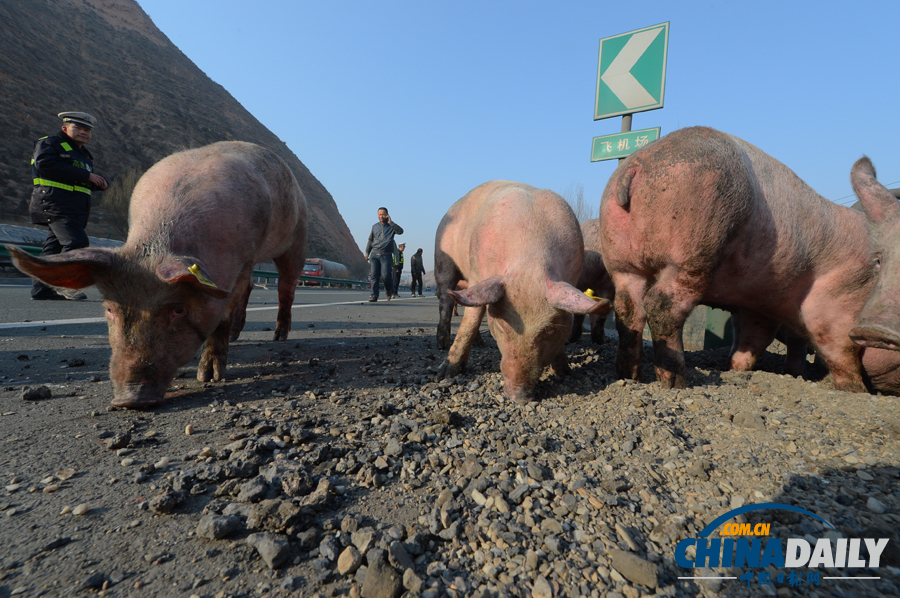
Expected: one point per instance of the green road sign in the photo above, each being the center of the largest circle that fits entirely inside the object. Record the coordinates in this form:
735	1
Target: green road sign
631	72
610	147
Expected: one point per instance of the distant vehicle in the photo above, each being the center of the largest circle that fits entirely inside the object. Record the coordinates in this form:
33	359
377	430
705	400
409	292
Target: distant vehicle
324	268
427	289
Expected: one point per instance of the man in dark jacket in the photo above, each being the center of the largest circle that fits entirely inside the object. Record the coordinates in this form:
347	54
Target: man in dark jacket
62	169
417	269
380	253
398	267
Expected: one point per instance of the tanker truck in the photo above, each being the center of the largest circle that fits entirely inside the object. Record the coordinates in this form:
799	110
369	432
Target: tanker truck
325	269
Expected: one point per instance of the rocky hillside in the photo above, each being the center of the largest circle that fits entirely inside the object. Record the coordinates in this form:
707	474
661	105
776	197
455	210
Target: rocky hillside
150	98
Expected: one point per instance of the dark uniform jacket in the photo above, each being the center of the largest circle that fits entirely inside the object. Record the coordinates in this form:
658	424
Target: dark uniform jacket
416	263
61	189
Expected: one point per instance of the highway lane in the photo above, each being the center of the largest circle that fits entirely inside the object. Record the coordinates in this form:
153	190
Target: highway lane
19	311
323	319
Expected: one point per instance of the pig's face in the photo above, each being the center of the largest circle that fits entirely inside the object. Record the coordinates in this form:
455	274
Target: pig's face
530	323
878	325
528	342
151	339
159	311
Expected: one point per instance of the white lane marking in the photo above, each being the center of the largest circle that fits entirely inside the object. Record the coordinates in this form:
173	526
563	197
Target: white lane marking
37	323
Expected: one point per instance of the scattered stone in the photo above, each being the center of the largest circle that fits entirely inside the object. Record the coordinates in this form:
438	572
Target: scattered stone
382	580
214	527
875	506
634	568
542	588
349	561
274	550
165	502
36	394
754	421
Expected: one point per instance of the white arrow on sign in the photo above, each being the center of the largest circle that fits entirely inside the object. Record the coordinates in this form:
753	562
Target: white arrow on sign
618	76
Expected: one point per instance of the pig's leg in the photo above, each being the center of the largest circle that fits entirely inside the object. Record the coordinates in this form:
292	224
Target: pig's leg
752	334
797	350
828	326
239	315
597	333
465	336
668	304
288	274
447	277
215	354
630	320
445	309
577	327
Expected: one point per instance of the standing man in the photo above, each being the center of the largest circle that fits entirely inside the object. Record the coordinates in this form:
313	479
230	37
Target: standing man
62	169
398	267
418	270
379	252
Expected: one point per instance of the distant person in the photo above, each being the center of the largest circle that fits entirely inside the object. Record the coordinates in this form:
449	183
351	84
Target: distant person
398	267
379	252
62	169
417	269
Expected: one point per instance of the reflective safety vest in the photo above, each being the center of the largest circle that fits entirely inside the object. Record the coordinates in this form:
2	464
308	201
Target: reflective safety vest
60	173
83	164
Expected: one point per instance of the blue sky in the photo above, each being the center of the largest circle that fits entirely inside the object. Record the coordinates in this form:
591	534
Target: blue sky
412	104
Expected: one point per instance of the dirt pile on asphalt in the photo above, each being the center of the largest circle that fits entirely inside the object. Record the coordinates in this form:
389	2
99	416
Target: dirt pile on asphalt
324	470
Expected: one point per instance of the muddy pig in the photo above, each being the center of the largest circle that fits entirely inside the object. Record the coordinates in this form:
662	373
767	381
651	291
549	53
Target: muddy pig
200	219
518	249
594	277
704	217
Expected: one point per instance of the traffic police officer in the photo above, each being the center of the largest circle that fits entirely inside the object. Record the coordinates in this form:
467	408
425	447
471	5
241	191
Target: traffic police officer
62	169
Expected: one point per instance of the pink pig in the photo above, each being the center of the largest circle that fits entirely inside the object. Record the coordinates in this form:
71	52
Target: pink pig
594	277
518	249
704	217
200	220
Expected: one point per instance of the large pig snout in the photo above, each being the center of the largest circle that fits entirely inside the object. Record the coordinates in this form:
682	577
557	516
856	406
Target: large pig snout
139	383
139	396
876	335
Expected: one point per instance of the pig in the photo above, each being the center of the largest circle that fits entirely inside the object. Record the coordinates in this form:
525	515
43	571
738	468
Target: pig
700	216
200	219
594	277
515	251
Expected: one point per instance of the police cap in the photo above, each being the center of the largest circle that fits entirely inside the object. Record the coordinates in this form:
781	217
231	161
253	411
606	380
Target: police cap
79	118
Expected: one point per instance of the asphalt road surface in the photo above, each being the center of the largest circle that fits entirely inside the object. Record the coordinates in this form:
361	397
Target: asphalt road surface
65	330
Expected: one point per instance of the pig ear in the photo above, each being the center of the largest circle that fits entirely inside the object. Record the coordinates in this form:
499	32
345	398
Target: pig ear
485	292
75	269
877	202
191	271
564	296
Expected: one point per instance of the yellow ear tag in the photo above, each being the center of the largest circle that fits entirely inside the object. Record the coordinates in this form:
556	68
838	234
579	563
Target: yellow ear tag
590	293
195	270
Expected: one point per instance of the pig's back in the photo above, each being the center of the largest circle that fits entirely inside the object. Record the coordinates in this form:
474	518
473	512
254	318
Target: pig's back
217	196
503	226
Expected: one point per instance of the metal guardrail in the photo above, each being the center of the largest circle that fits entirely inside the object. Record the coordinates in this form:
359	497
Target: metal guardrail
265	274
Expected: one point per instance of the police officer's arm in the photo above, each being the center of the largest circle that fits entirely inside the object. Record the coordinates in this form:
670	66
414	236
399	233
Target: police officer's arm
50	166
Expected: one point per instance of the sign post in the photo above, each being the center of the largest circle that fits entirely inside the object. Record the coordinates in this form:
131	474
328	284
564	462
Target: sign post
631	76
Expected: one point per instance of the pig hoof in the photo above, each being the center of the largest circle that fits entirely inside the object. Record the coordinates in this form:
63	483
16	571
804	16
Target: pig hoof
135	403
520	398
447	370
